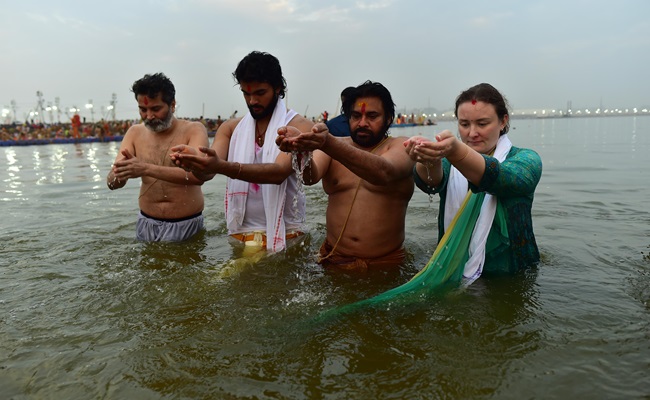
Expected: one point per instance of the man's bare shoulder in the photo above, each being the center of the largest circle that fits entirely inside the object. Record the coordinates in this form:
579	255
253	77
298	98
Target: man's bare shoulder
400	139
134	131
228	127
190	123
397	141
135	128
192	126
302	123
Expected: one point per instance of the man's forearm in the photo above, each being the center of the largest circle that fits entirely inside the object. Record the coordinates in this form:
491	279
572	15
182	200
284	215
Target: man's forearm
364	164
172	175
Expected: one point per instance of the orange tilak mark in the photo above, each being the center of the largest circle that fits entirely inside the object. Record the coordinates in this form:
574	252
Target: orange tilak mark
363	108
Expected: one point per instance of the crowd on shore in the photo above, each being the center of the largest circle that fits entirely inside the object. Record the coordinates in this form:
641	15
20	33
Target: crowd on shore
32	131
29	131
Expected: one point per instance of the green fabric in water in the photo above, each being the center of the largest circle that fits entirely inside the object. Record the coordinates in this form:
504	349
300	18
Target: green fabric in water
444	269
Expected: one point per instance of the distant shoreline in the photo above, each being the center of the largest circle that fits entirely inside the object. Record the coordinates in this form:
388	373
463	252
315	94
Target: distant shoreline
532	115
91	139
30	142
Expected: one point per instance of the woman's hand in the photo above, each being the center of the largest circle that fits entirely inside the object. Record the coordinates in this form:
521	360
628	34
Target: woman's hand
425	151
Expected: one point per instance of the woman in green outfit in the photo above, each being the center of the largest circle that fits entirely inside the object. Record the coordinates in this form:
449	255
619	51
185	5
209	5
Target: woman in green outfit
482	161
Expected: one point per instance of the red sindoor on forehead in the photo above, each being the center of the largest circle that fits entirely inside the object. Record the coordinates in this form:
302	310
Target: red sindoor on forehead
248	88
363	108
145	100
473	101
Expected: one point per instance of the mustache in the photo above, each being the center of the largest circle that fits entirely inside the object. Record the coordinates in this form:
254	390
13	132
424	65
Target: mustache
154	122
363	130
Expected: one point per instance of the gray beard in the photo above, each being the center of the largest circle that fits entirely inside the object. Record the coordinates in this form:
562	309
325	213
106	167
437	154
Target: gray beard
160	125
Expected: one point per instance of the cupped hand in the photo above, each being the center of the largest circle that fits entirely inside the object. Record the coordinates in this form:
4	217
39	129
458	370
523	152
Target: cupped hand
286	137
424	150
202	162
291	139
188	157
128	167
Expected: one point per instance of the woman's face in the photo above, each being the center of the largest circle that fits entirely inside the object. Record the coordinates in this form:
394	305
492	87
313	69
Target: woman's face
479	126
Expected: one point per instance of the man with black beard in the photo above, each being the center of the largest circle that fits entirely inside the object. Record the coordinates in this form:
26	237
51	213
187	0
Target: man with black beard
368	180
264	206
171	200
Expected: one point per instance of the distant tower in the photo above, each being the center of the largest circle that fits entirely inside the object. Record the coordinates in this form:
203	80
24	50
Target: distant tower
13	108
39	106
91	107
49	111
57	107
113	104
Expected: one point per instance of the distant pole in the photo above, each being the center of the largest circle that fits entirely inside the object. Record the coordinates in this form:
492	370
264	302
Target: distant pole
39	106
203	111
91	107
57	104
113	104
49	111
13	108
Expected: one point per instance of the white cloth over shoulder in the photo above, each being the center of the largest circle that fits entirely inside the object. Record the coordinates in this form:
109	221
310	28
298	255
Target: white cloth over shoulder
242	150
457	188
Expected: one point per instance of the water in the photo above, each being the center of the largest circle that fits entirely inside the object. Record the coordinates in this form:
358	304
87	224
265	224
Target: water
87	312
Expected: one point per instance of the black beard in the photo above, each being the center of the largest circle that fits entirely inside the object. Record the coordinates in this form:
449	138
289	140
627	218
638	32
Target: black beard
266	111
160	125
371	141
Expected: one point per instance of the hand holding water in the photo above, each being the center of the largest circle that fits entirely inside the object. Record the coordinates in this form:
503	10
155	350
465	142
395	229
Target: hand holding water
291	139
202	162
426	151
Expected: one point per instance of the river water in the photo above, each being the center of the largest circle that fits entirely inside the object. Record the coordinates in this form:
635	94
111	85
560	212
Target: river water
88	312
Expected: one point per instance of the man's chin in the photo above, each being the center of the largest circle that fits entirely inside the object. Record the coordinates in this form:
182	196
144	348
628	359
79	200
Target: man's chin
366	140
158	128
153	128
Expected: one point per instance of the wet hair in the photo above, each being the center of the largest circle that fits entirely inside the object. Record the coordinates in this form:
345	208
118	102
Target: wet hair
261	67
154	85
371	89
487	94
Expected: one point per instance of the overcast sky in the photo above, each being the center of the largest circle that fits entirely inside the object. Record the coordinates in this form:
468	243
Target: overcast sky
538	53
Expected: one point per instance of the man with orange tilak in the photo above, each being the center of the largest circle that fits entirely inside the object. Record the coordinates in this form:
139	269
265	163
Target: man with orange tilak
367	178
171	200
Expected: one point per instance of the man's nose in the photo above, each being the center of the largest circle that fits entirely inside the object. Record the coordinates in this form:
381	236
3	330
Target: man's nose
363	121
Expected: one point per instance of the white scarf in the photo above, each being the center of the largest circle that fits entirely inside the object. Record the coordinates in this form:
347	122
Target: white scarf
457	188
242	150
